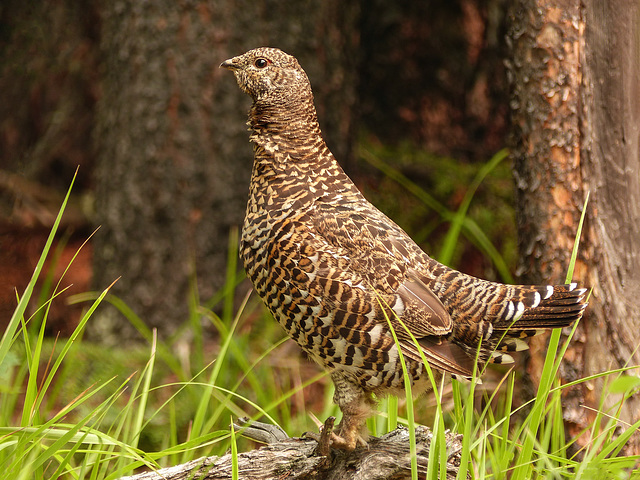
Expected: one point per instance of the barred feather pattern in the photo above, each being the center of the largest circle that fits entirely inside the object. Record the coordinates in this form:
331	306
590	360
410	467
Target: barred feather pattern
337	273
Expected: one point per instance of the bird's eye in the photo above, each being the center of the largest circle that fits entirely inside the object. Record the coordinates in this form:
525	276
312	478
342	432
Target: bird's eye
261	62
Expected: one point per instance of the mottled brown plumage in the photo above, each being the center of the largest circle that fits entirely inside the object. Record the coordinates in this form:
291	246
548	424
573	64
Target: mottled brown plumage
332	268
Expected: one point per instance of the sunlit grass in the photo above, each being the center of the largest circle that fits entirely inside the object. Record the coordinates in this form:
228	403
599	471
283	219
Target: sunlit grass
70	409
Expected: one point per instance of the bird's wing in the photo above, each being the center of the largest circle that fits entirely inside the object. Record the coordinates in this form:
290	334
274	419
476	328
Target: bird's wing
380	255
373	262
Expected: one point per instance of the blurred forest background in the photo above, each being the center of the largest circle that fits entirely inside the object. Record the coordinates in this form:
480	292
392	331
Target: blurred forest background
131	93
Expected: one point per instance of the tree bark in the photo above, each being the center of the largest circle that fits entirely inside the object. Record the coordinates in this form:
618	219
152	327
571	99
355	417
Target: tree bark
544	74
575	105
610	152
387	457
173	152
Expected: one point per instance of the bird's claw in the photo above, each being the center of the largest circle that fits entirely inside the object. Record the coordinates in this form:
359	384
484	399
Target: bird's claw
324	438
328	439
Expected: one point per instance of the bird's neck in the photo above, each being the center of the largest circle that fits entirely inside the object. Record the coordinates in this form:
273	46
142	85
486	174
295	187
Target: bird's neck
286	128
290	150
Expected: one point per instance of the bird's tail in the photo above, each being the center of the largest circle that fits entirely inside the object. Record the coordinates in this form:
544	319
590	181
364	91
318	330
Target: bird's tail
542	306
533	309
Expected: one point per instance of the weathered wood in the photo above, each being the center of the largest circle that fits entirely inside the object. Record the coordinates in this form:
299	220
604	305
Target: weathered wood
386	457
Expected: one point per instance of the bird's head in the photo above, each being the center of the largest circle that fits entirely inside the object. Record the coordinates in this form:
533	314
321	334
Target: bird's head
268	74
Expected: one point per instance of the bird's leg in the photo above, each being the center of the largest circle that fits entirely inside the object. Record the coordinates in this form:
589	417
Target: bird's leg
356	406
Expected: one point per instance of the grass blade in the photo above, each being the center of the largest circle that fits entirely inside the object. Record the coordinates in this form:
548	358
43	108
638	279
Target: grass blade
8	336
451	240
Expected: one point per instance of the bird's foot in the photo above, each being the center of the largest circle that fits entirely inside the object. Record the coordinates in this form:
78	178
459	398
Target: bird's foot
348	439
348	443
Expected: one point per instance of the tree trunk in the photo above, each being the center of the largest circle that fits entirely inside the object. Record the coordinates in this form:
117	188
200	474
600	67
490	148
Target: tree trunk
610	126
574	73
174	160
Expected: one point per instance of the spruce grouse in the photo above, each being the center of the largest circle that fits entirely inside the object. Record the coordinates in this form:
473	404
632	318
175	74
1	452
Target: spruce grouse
335	272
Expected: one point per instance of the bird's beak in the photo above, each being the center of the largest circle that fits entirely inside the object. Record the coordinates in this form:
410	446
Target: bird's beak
229	65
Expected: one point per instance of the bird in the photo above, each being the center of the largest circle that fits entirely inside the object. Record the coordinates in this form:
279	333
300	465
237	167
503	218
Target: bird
341	277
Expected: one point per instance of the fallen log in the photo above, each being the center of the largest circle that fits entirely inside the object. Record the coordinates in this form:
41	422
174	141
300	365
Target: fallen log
386	457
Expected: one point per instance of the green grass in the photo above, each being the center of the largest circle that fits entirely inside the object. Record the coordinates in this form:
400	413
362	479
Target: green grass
70	409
